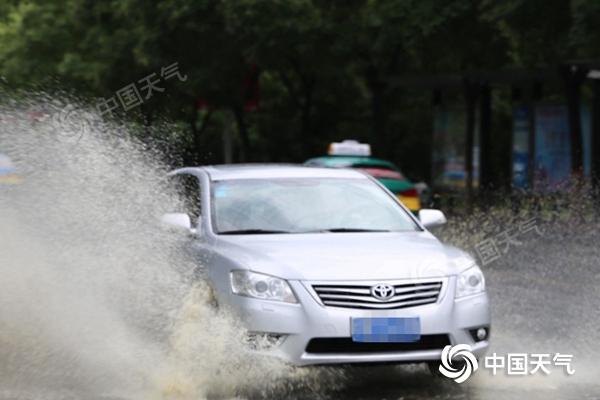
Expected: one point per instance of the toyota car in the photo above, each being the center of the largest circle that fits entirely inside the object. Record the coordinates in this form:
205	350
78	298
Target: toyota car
327	266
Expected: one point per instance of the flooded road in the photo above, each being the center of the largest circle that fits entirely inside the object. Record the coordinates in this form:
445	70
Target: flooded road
96	302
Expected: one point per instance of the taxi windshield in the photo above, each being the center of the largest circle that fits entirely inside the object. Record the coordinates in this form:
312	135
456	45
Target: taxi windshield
306	205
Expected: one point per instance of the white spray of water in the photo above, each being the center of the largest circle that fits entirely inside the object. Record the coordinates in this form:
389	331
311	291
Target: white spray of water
95	299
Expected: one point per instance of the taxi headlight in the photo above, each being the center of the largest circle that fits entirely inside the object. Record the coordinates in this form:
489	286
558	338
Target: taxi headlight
470	282
261	286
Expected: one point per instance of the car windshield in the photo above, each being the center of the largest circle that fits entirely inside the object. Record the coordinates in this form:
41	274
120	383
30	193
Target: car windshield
255	206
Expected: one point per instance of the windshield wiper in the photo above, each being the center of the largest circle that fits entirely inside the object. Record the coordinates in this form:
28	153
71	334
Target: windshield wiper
345	230
251	232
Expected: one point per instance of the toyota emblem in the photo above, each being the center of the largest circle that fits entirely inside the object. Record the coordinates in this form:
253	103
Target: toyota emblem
383	291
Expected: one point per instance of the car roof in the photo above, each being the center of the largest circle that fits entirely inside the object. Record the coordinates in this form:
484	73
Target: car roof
348	161
274	171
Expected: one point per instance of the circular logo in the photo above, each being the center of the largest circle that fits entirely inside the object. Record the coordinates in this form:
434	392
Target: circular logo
458	362
71	122
383	291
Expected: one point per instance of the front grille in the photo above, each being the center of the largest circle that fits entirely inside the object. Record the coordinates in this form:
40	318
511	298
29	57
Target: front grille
360	296
346	345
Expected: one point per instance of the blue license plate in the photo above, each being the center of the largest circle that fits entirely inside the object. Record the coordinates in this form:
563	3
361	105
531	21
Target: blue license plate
386	330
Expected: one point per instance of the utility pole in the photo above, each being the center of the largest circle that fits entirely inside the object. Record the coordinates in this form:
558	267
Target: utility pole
470	93
595	76
573	76
485	127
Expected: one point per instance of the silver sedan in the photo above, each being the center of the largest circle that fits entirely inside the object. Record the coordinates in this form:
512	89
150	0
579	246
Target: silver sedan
326	266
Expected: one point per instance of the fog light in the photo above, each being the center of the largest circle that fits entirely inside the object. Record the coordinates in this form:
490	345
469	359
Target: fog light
263	340
481	333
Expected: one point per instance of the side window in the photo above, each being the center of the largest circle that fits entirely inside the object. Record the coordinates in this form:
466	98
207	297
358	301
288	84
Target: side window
187	187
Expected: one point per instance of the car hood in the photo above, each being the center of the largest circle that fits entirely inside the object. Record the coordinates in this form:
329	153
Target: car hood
345	256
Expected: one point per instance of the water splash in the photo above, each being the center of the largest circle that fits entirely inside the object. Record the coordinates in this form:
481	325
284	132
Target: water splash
95	299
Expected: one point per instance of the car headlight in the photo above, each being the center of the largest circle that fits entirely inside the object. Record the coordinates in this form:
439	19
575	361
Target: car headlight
470	282
260	286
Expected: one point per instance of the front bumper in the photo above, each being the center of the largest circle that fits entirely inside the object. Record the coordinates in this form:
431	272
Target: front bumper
309	319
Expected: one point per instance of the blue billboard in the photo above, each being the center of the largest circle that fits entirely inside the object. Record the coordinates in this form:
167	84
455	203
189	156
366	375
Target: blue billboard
552	148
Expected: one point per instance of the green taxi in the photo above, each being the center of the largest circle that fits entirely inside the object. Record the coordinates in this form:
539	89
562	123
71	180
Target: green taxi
352	154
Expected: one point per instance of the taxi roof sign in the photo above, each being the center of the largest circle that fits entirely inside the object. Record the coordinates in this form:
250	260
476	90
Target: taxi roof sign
349	148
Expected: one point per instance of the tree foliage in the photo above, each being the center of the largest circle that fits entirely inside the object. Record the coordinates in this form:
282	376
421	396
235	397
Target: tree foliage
323	65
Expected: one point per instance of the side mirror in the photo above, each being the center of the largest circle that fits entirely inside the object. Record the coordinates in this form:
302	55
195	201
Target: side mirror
177	221
431	218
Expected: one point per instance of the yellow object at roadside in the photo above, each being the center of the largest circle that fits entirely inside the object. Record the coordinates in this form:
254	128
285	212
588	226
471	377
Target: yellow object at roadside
412	203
